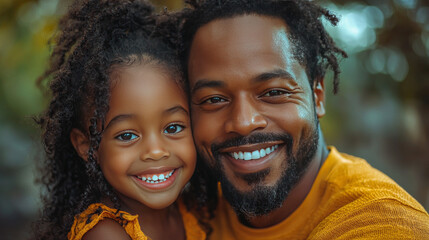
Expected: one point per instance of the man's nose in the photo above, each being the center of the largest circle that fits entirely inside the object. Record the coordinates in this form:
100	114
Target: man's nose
154	148
245	117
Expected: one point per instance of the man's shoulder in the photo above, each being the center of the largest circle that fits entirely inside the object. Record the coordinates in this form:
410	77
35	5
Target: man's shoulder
376	219
352	177
371	212
347	171
358	201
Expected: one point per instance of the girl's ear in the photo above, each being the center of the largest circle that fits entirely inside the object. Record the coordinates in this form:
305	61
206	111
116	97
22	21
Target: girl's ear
80	143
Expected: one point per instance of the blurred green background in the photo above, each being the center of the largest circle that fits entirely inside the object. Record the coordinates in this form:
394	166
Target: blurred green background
381	112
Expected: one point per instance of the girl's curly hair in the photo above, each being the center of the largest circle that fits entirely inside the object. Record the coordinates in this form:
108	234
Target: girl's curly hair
93	36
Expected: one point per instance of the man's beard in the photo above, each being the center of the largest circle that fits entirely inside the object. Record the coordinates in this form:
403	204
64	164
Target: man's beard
261	200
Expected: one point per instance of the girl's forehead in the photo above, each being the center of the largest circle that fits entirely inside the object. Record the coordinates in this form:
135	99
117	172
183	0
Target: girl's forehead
144	89
145	71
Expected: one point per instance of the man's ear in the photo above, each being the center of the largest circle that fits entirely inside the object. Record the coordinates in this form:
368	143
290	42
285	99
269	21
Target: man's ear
319	97
80	143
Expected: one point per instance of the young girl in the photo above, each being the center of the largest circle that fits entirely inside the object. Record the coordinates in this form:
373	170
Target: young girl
117	132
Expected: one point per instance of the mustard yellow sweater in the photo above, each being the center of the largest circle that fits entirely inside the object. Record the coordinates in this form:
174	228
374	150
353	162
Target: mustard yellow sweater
348	200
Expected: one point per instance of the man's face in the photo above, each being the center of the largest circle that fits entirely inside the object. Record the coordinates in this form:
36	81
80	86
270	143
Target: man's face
253	109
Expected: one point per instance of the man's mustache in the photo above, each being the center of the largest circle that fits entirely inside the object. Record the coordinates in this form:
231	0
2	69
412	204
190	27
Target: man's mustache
255	138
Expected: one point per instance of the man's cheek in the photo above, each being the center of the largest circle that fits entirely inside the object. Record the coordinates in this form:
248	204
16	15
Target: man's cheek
203	134
202	148
207	155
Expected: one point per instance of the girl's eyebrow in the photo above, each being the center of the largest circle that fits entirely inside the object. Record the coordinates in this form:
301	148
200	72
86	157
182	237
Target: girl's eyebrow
176	108
119	118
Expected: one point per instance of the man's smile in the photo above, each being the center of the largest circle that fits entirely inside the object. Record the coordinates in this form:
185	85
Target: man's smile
254	155
251	158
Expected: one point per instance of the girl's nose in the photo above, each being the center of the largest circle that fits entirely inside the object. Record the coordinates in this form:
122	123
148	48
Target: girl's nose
154	149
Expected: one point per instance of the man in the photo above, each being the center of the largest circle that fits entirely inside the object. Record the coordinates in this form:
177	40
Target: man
256	74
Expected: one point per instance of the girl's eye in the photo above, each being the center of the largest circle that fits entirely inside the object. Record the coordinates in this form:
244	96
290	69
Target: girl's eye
275	92
173	129
214	100
126	137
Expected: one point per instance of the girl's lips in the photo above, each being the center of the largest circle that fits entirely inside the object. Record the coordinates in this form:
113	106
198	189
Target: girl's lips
160	181
158	174
155	170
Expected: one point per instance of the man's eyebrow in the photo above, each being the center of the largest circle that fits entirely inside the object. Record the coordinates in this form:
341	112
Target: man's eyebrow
176	108
119	118
206	83
277	73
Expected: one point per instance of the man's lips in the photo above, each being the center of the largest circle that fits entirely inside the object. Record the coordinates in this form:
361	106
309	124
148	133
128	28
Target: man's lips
252	157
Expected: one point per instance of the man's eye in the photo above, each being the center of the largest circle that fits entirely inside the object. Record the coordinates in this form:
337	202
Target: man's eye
214	100
272	93
126	137
174	128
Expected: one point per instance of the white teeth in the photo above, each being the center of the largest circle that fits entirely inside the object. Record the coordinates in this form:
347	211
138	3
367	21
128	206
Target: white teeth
257	154
262	152
157	178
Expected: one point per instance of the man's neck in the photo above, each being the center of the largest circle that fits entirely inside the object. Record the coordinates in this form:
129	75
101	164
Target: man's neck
297	194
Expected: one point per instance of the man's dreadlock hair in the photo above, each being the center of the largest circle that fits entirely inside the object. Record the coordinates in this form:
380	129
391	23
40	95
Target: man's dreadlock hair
313	48
94	36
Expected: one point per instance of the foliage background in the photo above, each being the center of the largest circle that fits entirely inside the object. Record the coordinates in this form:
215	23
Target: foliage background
380	114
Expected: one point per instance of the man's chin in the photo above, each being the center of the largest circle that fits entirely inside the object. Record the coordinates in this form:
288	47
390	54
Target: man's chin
259	197
259	200
247	182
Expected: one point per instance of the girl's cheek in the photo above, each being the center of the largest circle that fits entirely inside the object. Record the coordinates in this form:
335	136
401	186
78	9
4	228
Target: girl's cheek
188	152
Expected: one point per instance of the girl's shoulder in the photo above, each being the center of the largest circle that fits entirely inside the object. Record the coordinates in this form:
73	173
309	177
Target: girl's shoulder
116	225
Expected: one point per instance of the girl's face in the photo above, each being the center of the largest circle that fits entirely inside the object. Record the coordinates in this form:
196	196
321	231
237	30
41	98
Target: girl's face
147	152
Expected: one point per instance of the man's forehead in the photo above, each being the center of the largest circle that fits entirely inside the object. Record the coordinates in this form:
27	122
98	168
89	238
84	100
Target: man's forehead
245	45
240	27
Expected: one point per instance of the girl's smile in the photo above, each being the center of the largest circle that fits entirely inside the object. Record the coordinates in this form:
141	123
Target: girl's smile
158	181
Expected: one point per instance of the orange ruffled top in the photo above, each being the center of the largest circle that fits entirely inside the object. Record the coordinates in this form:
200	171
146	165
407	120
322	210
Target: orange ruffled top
98	211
